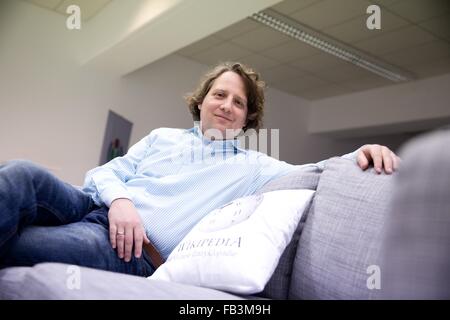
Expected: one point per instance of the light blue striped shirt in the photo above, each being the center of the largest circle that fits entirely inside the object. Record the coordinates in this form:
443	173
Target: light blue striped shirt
175	177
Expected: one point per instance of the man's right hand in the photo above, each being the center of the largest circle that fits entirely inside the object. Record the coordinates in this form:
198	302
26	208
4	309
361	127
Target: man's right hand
126	229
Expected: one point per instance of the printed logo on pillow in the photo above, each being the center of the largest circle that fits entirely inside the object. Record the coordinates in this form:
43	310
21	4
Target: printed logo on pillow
230	214
237	247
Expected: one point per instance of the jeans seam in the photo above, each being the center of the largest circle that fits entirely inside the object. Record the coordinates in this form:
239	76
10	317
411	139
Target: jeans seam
12	232
23	213
52	210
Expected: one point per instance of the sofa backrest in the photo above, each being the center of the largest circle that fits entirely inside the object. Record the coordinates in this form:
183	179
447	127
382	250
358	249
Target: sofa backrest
338	254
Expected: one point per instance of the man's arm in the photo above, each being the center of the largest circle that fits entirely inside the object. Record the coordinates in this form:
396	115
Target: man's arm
107	185
380	156
107	182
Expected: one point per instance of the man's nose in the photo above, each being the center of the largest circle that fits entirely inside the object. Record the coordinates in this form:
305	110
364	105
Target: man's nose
226	105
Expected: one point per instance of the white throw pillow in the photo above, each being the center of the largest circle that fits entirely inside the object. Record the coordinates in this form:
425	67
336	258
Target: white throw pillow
237	247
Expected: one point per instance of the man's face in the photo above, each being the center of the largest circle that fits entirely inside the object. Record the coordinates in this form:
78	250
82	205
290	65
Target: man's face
224	106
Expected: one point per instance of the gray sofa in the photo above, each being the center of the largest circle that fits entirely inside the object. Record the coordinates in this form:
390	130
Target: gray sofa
366	236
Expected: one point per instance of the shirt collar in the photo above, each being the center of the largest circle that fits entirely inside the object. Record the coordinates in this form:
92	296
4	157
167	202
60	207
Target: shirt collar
230	144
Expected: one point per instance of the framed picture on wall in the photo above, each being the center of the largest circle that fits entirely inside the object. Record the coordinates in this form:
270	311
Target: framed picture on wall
117	137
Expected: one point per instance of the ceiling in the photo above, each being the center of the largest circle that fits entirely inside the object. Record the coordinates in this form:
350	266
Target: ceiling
89	7
414	36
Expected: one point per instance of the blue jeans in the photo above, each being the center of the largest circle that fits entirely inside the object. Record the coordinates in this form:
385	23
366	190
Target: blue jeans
43	219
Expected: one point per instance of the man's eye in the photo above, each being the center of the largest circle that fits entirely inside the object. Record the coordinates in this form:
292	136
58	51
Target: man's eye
219	94
240	103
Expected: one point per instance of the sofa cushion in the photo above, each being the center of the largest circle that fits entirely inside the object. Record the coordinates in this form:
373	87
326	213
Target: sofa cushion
306	177
62	281
340	242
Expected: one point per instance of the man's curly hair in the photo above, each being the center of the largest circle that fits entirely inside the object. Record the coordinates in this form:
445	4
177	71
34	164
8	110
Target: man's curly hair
254	90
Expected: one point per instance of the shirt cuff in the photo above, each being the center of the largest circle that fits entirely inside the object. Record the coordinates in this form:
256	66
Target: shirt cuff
112	193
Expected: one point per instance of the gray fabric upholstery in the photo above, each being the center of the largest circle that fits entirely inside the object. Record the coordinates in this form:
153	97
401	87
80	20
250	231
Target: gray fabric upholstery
305	178
342	234
416	260
278	285
49	281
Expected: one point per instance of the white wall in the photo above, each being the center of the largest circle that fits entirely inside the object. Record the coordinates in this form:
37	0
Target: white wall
417	105
297	145
54	113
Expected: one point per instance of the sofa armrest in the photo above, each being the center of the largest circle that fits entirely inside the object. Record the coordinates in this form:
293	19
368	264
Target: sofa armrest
416	244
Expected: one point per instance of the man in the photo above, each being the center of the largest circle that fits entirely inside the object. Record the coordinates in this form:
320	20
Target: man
154	194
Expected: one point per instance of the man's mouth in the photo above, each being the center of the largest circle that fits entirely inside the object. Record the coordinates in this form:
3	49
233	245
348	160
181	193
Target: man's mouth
223	117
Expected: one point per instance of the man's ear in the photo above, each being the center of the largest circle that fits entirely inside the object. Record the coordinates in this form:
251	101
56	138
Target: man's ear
199	107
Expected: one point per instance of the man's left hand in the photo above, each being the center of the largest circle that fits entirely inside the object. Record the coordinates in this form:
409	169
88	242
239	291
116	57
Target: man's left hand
380	156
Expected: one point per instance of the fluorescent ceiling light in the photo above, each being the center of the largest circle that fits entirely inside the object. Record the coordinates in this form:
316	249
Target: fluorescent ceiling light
306	35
